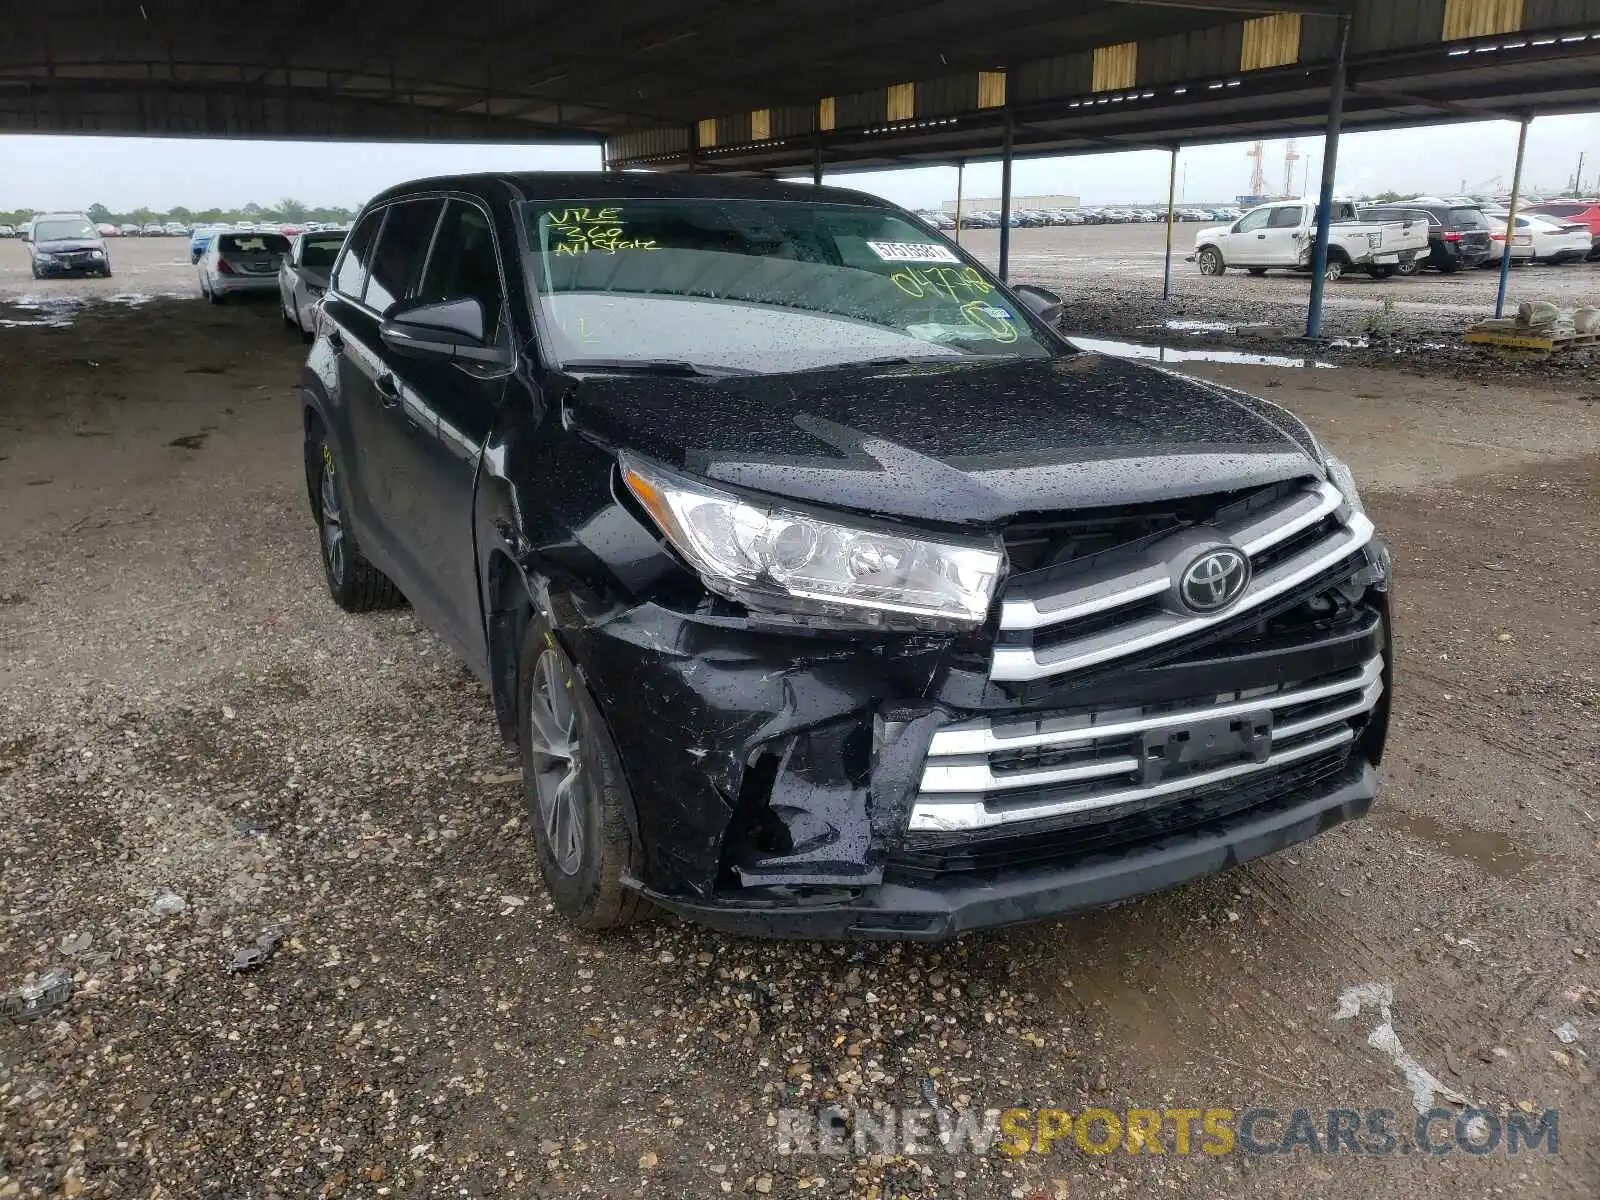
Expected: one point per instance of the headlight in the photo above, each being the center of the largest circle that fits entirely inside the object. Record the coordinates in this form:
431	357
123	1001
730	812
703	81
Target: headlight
41	256
802	567
1340	475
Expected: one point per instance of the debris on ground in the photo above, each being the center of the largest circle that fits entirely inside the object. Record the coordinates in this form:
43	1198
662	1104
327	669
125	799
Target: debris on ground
248	958
39	997
168	904
1422	1083
76	943
1566	1033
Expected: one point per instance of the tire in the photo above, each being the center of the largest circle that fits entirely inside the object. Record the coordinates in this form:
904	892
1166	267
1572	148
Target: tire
354	583
1258	271
572	783
1383	272
1334	271
1211	263
1408	269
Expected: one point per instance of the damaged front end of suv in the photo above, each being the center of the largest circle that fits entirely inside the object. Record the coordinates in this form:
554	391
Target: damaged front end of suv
1115	657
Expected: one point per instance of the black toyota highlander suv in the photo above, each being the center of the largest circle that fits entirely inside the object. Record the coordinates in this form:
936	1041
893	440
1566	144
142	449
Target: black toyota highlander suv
825	588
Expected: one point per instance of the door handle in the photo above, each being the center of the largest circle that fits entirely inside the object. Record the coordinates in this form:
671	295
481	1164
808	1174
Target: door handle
335	340
388	390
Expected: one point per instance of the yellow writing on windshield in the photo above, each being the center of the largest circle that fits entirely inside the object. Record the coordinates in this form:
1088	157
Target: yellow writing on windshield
582	230
994	321
953	282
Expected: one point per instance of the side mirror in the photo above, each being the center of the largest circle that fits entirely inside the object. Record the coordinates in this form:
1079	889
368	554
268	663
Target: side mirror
1041	302
449	330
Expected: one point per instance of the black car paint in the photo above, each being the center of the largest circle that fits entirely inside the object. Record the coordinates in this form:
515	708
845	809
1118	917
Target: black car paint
81	251
508	485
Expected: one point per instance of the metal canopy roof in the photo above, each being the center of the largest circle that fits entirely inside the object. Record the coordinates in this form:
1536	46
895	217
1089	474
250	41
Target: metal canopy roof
760	85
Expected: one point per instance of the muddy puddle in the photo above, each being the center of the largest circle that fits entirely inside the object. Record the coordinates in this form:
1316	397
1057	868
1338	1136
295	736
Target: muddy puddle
1167	354
1495	854
34	311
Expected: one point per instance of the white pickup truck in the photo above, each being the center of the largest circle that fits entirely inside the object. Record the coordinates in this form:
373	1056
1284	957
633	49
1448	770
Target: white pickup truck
1283	235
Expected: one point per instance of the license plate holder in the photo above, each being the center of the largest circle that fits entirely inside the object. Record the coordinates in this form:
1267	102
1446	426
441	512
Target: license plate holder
1203	745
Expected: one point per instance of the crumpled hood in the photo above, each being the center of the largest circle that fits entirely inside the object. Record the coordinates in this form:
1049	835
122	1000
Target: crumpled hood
68	245
968	442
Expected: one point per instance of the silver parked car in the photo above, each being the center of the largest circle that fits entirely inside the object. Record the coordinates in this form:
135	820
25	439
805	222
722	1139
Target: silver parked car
303	277
241	262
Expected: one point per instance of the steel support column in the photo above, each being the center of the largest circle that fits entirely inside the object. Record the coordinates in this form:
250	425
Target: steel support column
816	163
1330	168
1005	202
961	175
1172	207
1511	218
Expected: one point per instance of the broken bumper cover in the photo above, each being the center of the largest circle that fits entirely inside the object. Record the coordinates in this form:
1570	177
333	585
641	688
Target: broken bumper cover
776	790
935	910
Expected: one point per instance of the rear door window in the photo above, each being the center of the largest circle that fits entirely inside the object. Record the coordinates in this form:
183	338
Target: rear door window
464	264
1467	218
402	247
352	274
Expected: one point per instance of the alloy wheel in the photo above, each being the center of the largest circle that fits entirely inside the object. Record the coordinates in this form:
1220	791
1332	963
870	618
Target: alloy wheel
561	778
332	520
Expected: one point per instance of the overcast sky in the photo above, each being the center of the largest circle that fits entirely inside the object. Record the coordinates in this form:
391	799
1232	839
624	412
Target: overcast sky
124	173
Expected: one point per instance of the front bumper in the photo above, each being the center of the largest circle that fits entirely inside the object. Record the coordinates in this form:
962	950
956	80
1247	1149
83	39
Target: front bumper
934	911
777	777
87	266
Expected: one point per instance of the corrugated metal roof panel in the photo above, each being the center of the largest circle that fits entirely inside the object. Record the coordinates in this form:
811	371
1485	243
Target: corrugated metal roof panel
1480	18
1046	78
1270	42
1116	67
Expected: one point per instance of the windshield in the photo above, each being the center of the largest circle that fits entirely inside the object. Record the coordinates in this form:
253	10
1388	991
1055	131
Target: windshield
759	285
61	231
319	254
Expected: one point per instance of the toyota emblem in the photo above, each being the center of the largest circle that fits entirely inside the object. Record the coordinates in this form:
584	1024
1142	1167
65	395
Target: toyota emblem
1214	580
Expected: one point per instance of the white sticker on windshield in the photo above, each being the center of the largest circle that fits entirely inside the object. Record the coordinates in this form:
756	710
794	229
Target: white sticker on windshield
914	252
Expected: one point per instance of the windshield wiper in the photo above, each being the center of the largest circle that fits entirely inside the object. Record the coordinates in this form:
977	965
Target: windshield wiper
649	366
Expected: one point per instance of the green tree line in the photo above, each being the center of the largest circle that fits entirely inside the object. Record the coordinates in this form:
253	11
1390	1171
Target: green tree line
288	210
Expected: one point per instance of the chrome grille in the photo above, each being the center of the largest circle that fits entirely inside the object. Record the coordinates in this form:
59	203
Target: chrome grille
1045	625
980	774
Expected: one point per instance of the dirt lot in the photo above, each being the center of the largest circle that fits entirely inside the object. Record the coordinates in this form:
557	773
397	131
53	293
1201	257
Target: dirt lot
184	713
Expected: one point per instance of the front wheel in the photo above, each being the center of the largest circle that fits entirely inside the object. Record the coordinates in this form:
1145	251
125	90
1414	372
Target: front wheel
354	583
1334	271
573	785
1211	261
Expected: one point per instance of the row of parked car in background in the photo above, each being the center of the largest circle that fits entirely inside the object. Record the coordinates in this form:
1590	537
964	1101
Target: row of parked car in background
1447	234
1033	218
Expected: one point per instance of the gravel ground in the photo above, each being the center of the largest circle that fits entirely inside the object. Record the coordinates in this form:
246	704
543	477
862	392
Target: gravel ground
197	748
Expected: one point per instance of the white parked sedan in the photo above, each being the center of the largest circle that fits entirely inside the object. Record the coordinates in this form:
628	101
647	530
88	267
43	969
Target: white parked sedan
241	262
303	277
1543	239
